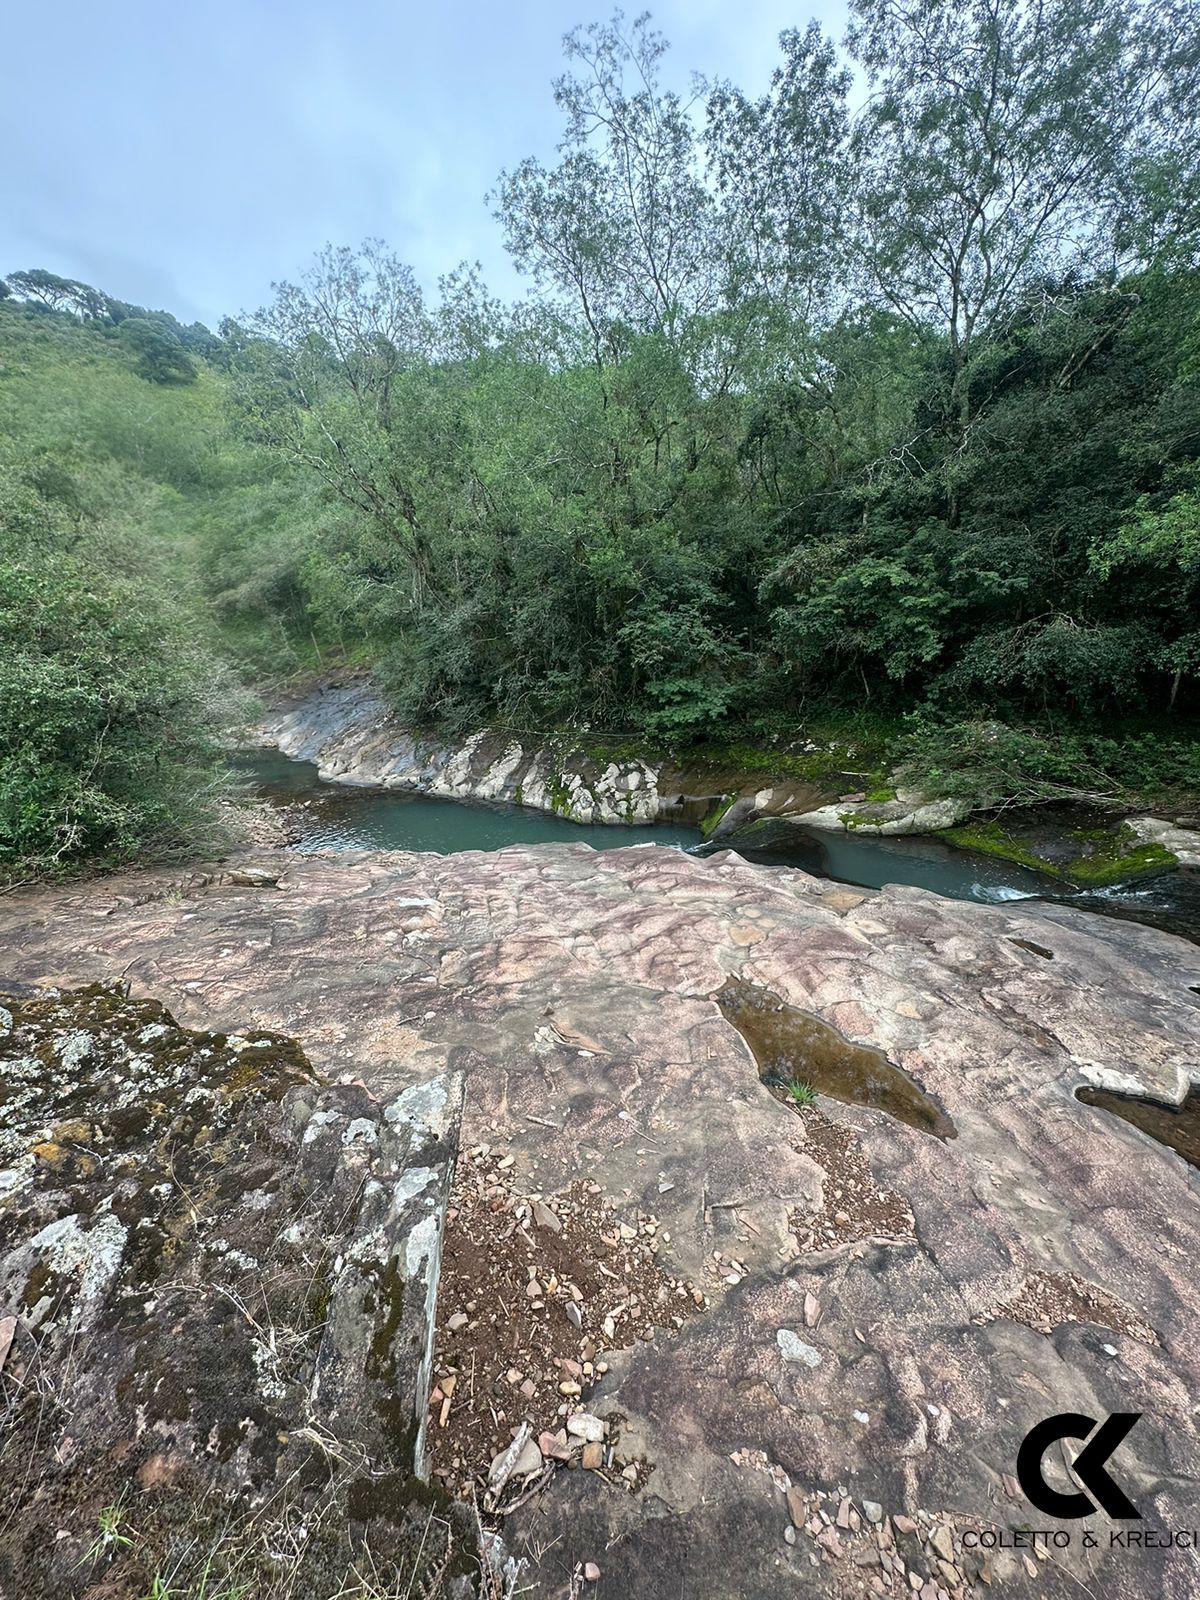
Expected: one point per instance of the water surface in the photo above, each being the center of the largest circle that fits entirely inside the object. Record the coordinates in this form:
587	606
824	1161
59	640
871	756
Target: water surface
330	816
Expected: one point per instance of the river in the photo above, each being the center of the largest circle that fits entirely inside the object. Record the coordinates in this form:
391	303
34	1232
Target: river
339	817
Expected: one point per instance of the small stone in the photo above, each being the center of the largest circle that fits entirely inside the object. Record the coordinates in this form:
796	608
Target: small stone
812	1310
797	1510
569	1387
872	1510
574	1315
942	1543
902	1523
583	1425
545	1218
591	1572
843	1514
630	1473
593	1457
862	1416
793	1348
789	1535
457	1321
534	1289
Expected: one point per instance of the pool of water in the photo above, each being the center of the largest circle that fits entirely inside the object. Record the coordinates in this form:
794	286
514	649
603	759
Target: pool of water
1170	900
870	861
329	816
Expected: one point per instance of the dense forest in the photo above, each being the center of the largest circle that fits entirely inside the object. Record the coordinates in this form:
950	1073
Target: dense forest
872	404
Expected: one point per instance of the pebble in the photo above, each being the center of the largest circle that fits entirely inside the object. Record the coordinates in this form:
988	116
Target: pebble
583	1425
942	1543
793	1348
591	1572
569	1387
593	1457
873	1510
574	1315
457	1321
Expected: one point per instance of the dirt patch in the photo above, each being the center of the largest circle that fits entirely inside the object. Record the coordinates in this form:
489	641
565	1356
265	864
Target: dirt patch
1048	1299
856	1208
535	1292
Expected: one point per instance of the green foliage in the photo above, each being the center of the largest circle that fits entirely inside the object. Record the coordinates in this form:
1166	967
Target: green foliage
810	424
994	764
161	358
111	701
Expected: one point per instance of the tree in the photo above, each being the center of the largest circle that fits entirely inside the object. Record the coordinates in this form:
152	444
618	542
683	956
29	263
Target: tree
160	356
997	145
624	225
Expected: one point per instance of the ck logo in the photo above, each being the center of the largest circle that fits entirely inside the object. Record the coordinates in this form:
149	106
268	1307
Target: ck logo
1088	1467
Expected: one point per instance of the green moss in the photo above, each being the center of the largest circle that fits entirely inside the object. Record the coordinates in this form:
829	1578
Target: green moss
813	766
1111	855
560	796
881	796
1116	860
990	839
708	822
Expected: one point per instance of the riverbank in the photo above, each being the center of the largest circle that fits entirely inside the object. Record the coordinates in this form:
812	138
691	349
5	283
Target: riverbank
735	795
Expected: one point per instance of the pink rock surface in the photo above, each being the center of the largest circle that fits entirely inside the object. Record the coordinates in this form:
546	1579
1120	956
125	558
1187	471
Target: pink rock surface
388	967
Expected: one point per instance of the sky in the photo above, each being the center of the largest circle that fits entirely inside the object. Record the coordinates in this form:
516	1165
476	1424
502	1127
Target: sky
185	156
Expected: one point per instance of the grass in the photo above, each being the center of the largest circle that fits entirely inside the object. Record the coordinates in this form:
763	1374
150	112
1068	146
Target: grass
802	1094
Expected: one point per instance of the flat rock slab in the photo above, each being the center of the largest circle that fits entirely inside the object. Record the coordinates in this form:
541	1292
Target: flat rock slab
935	1299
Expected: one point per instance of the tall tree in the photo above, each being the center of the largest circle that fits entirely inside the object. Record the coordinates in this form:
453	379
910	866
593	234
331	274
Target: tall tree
997	142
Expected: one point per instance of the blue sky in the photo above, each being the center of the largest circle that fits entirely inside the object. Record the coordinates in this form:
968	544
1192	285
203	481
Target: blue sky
183	156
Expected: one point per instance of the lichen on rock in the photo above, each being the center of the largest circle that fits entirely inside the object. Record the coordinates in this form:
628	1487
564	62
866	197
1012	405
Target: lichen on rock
222	1329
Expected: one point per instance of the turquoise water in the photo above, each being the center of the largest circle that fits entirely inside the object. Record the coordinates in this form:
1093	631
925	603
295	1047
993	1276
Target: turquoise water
333	816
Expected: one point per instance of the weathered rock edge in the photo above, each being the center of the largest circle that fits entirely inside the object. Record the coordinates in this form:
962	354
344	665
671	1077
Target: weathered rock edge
347	730
218	1280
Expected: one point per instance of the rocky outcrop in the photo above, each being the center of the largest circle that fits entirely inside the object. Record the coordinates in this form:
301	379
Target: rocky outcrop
807	1338
1183	843
908	813
347	730
217	1286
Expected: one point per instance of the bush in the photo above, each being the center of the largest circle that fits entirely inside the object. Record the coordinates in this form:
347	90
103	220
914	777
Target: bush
109	714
